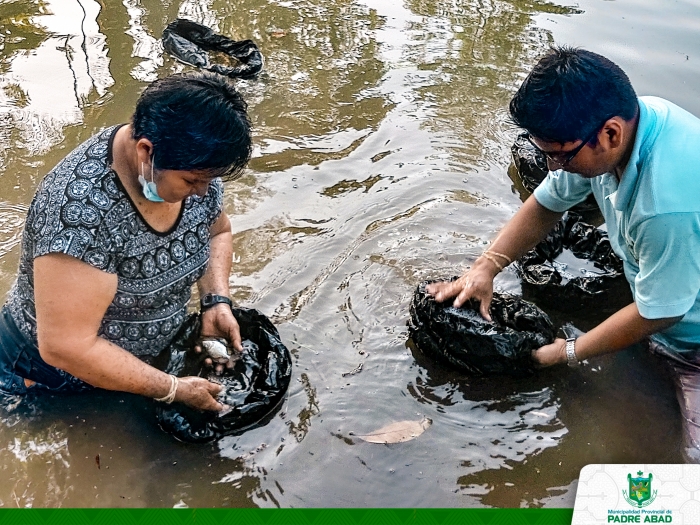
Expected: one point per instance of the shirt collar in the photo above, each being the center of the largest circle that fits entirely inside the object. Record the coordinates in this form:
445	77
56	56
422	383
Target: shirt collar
628	180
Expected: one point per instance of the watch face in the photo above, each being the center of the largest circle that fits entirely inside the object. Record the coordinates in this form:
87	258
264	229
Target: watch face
212	299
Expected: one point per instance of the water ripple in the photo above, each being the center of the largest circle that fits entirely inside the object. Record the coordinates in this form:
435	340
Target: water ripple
12	218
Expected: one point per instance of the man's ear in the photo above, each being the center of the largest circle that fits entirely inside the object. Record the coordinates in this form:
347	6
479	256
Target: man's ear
613	129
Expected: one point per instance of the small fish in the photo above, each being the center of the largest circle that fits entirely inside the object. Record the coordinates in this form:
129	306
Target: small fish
217	349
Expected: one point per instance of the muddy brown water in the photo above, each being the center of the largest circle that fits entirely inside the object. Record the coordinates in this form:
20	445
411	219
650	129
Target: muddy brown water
381	158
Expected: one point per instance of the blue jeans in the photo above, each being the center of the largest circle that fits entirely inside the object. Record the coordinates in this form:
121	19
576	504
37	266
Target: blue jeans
20	360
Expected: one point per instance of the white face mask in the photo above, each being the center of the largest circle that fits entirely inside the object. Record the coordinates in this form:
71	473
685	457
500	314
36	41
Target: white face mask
149	188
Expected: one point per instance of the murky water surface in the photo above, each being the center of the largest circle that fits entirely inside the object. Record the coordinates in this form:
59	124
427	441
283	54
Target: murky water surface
382	148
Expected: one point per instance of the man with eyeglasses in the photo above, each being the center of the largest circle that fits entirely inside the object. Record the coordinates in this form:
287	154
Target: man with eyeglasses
640	158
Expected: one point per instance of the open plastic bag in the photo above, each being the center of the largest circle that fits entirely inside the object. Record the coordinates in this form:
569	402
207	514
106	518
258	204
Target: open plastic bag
464	339
538	267
190	42
252	389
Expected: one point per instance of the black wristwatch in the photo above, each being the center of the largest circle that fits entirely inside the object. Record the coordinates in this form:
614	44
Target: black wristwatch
211	299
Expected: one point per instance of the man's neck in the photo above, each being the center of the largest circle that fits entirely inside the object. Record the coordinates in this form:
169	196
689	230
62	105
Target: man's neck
629	147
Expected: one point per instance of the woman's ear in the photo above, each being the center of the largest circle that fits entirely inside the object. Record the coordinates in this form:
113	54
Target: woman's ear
144	150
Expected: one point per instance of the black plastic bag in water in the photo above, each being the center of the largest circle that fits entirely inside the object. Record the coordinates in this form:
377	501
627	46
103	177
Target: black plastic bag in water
252	389
189	42
466	340
585	242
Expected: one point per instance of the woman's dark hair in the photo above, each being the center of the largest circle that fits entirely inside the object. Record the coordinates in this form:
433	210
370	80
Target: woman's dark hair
196	121
569	93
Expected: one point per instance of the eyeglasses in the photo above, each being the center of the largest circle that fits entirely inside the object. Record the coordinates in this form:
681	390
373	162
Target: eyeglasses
562	158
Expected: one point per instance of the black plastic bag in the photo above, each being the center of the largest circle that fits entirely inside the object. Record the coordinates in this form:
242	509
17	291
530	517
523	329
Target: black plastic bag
252	389
463	338
531	166
189	42
585	242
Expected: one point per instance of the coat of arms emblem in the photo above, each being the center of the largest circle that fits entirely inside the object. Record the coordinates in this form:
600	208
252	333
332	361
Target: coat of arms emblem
640	493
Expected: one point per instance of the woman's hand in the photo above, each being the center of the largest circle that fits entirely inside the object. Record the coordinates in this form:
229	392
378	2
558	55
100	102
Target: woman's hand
477	284
549	355
199	393
218	321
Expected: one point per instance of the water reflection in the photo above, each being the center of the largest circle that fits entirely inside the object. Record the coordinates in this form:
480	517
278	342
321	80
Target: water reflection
201	11
146	46
507	425
55	59
322	62
478	53
11	223
37	466
256	248
301	428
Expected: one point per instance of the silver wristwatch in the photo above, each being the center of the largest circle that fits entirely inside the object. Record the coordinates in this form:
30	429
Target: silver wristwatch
571	358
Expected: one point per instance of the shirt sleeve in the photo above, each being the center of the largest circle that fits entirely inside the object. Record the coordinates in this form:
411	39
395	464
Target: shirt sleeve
668	282
67	213
561	190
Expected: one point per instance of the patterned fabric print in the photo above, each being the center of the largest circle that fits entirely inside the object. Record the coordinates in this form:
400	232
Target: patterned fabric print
82	210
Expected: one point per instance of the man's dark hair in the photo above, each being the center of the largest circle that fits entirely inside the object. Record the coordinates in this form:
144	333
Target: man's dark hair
569	93
196	121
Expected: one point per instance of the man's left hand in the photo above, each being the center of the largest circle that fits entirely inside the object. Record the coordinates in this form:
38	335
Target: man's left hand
218	321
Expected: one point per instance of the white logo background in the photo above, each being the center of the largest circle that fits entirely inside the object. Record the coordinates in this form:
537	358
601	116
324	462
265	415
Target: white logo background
600	491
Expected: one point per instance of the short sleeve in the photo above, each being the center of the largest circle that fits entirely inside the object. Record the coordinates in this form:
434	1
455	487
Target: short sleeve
668	282
561	190
67	213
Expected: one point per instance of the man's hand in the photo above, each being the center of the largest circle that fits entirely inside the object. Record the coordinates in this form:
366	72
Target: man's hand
218	321
199	393
549	355
477	284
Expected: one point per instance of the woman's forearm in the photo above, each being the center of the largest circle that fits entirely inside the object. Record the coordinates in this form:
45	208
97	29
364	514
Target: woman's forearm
105	365
215	278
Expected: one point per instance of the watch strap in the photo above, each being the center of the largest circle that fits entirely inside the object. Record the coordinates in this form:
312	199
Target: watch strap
571	358
211	299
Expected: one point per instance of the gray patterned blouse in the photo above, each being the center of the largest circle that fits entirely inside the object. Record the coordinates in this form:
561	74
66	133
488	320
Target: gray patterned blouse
82	209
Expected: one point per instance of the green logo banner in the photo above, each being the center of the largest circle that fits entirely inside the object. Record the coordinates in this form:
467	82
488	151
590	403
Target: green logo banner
286	516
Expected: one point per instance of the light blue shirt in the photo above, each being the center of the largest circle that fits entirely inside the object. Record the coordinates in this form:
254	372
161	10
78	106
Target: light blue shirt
652	216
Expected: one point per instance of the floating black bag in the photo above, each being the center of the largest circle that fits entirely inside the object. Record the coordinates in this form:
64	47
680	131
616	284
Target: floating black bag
252	389
537	266
531	166
463	338
189	42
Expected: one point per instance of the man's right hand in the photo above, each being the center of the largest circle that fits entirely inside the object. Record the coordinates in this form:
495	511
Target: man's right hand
199	393
477	283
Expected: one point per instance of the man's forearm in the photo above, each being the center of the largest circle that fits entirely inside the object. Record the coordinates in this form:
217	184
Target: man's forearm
622	329
528	227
